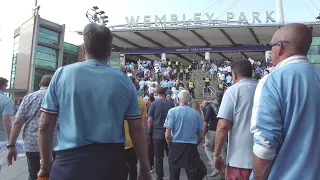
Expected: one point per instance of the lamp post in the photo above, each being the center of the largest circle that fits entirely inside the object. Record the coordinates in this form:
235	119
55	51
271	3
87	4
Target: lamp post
95	15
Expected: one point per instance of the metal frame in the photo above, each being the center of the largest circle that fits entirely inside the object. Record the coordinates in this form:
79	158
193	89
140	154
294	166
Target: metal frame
254	35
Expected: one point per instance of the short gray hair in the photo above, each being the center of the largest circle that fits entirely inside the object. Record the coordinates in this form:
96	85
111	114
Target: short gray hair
184	96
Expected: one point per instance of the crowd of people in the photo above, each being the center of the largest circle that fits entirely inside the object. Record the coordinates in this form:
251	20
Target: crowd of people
89	121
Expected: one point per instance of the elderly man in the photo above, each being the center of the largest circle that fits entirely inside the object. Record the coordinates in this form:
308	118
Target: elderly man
29	114
234	124
184	131
91	101
285	117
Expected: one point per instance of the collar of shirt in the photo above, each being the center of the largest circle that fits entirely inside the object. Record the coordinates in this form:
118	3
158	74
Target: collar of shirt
291	59
42	88
95	62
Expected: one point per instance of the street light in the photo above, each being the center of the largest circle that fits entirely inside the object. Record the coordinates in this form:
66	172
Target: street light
95	16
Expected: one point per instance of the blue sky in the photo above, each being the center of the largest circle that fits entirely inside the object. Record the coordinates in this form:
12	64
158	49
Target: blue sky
72	13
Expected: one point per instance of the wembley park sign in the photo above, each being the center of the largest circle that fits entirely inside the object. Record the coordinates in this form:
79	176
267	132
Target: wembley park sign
198	19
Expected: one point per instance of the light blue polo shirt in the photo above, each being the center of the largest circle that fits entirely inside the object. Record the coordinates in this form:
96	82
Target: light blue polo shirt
91	100
6	108
185	124
229	79
286	119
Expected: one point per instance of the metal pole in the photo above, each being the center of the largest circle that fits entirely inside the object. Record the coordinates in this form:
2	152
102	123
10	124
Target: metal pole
279	7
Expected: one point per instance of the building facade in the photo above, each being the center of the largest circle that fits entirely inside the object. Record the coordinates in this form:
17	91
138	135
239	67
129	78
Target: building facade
38	50
314	52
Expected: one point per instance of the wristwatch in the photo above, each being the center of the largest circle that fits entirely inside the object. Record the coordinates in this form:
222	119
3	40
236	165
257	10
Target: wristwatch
10	146
218	156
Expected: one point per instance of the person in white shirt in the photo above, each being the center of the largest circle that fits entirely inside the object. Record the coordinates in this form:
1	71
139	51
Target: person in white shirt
151	89
222	77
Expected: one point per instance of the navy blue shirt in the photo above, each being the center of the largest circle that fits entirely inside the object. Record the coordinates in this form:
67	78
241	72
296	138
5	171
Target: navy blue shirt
91	100
158	111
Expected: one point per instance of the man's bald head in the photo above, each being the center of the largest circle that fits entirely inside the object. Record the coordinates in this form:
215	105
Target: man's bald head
299	39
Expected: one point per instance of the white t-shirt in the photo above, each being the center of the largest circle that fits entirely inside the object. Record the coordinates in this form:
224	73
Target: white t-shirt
229	69
151	90
222	77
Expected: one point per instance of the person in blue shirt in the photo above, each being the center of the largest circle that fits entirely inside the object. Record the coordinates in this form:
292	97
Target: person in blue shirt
229	80
91	101
6	112
285	117
184	131
211	72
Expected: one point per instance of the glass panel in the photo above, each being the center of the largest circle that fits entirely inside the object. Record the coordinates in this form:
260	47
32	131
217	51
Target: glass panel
38	74
70	48
46	57
316	41
69	58
48	36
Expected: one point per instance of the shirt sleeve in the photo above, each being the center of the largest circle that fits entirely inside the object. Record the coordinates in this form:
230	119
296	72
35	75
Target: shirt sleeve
266	122
208	115
143	108
169	122
151	110
21	113
227	107
50	103
133	111
8	109
200	125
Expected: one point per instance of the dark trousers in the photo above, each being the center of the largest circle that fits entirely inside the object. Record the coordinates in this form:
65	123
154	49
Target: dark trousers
191	91
95	161
206	84
186	156
160	145
132	161
33	160
187	76
181	76
151	153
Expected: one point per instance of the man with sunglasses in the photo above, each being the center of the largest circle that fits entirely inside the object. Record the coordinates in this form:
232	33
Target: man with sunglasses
285	116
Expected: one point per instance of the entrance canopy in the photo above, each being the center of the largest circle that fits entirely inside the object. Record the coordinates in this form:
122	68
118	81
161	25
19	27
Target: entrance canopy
223	41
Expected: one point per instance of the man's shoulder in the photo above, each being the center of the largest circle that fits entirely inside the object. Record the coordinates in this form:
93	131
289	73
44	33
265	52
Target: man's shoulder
5	99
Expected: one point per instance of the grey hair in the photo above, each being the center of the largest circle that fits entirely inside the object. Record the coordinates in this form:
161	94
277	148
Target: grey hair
184	96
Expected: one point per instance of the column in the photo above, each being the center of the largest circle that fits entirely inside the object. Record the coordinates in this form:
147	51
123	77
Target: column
122	60
164	58
207	56
279	7
268	56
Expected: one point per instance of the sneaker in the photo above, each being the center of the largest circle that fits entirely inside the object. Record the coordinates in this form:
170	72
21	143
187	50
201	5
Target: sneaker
214	174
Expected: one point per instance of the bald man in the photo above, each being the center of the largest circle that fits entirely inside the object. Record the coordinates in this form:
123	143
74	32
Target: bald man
285	117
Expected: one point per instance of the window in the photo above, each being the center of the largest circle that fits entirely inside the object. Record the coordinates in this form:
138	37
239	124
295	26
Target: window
70	54
46	57
14	61
38	74
48	36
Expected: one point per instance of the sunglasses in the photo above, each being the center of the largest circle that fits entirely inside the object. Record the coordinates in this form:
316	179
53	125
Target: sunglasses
279	42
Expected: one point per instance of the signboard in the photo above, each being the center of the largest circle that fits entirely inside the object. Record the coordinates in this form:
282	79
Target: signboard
195	50
197	20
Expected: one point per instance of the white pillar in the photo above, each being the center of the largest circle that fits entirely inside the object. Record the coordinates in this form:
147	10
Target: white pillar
207	56
279	7
268	56
163	56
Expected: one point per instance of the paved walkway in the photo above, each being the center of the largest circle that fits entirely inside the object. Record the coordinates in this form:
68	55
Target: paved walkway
19	170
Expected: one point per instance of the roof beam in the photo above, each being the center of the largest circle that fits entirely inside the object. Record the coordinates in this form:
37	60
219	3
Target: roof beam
200	37
127	41
227	36
183	57
254	35
244	55
224	56
149	39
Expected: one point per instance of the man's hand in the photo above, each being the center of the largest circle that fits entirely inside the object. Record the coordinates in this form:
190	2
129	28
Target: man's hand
144	175
43	173
219	165
12	154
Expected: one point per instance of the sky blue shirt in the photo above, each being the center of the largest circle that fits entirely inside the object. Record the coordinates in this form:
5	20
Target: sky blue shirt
211	71
165	84
170	83
185	124
286	119
91	100
229	79
6	108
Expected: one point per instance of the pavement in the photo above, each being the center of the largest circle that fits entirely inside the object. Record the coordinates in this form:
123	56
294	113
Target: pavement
19	170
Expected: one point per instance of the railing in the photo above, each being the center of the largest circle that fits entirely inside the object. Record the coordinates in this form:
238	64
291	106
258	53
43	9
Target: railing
200	86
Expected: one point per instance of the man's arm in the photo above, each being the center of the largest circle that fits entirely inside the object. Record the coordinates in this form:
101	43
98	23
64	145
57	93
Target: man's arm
7	113
46	130
168	136
139	140
150	117
207	117
17	126
223	128
266	126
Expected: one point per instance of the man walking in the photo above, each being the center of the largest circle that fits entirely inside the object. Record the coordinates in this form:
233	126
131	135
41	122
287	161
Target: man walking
91	117
191	88
234	124
157	115
184	131
285	117
28	115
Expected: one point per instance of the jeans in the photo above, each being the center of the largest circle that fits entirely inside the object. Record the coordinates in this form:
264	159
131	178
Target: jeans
160	145
33	160
132	161
209	146
151	153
